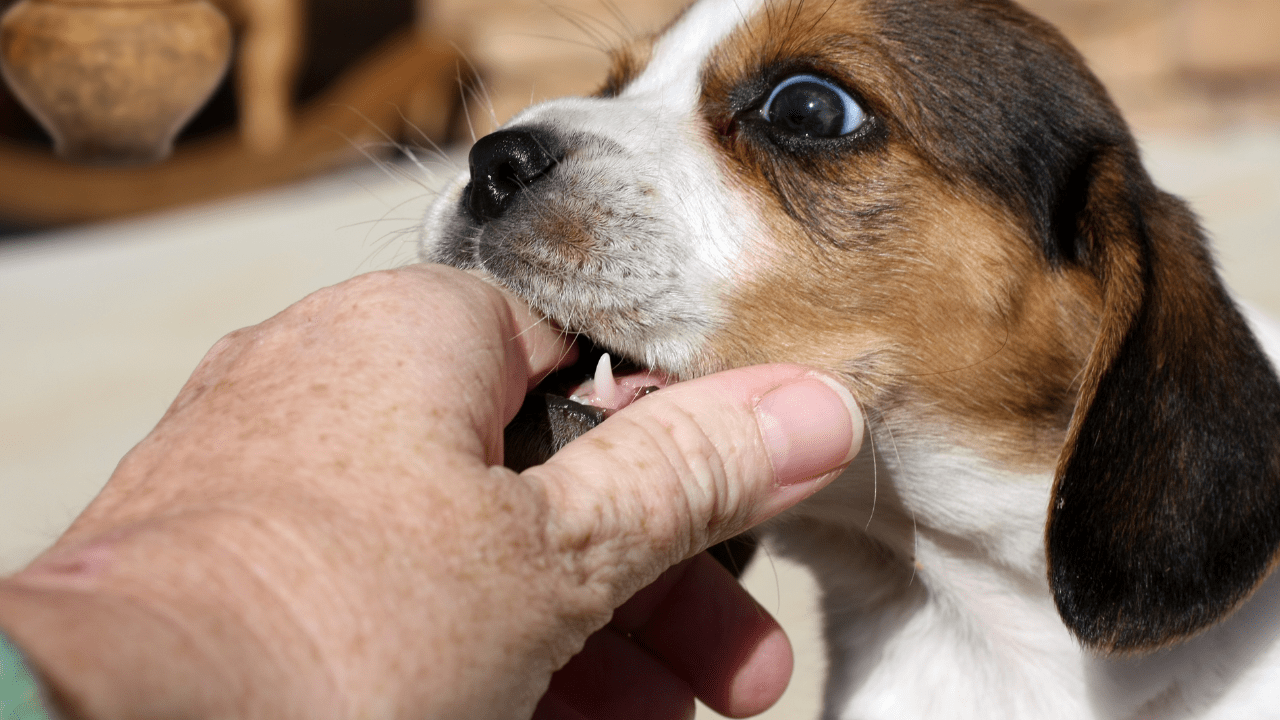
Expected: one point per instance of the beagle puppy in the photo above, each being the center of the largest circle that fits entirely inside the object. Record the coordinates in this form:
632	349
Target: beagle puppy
1068	505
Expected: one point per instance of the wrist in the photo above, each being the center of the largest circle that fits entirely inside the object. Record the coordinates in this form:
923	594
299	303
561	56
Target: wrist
86	653
118	630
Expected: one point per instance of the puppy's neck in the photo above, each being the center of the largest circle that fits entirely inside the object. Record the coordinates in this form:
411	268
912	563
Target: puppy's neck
936	579
931	566
910	483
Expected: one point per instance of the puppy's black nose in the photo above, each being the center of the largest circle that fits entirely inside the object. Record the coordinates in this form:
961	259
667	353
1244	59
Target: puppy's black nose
503	164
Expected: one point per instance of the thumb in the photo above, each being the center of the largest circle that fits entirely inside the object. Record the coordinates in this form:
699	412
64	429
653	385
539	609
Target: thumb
692	465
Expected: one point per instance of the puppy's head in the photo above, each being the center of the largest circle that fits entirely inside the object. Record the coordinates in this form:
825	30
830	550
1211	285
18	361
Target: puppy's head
935	200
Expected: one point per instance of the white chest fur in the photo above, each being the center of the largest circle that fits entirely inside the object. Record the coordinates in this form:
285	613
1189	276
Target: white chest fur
936	604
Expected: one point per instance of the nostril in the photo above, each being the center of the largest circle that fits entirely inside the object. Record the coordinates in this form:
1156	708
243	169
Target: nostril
503	165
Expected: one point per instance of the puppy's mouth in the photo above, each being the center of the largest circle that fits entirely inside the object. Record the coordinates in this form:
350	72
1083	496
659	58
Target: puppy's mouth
573	400
601	381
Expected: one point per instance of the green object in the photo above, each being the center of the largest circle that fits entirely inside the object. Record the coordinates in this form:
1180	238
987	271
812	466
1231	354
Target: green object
20	696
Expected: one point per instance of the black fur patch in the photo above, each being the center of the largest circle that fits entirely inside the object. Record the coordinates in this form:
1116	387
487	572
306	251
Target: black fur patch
1166	513
1005	102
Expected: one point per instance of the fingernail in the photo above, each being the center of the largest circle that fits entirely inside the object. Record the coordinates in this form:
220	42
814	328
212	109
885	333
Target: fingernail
810	427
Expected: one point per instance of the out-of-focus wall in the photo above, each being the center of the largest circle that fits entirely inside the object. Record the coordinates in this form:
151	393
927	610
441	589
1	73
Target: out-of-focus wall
529	50
1171	64
1186	64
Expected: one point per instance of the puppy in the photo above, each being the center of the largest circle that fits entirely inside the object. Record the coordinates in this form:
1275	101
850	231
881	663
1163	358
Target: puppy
1069	501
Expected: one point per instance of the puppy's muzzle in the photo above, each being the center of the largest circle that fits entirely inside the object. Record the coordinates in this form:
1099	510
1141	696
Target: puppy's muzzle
503	165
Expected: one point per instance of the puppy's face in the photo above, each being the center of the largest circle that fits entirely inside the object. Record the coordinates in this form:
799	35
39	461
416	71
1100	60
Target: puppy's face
810	181
935	200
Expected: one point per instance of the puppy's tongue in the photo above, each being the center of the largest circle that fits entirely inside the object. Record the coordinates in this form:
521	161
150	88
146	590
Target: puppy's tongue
614	393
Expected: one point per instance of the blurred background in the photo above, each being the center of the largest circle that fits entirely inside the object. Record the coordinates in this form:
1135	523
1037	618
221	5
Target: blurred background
317	154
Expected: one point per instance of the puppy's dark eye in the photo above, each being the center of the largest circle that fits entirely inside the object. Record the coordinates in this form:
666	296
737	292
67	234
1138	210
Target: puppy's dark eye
809	106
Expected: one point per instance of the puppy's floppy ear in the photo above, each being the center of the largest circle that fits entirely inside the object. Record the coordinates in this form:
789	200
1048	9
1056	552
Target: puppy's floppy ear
1165	512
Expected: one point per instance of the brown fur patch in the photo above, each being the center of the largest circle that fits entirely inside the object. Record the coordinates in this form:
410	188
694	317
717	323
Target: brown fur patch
908	281
955	321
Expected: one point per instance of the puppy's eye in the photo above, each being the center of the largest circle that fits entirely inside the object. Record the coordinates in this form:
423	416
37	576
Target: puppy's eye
809	106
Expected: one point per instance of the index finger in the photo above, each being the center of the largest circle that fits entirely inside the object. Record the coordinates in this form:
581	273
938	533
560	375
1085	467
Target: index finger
708	630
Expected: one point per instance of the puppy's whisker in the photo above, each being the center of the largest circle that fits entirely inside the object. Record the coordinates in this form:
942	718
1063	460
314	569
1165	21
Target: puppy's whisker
567	41
434	148
424	168
594	40
407	148
363	149
875	474
742	18
572	338
407	235
797	10
466	110
915	534
591	26
528	328
410	230
479	96
543	320
378	221
395	172
472	86
390	141
627	29
764	548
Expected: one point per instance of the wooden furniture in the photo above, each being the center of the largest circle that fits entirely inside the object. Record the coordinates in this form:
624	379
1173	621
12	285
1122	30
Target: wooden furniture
113	81
89	72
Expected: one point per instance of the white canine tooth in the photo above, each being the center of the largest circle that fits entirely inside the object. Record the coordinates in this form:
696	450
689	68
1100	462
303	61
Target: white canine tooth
606	388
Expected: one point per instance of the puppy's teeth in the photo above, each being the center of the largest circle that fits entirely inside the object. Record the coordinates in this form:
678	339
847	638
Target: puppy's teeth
606	388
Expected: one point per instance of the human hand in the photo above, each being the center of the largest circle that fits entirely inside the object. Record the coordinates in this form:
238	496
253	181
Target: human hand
320	527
